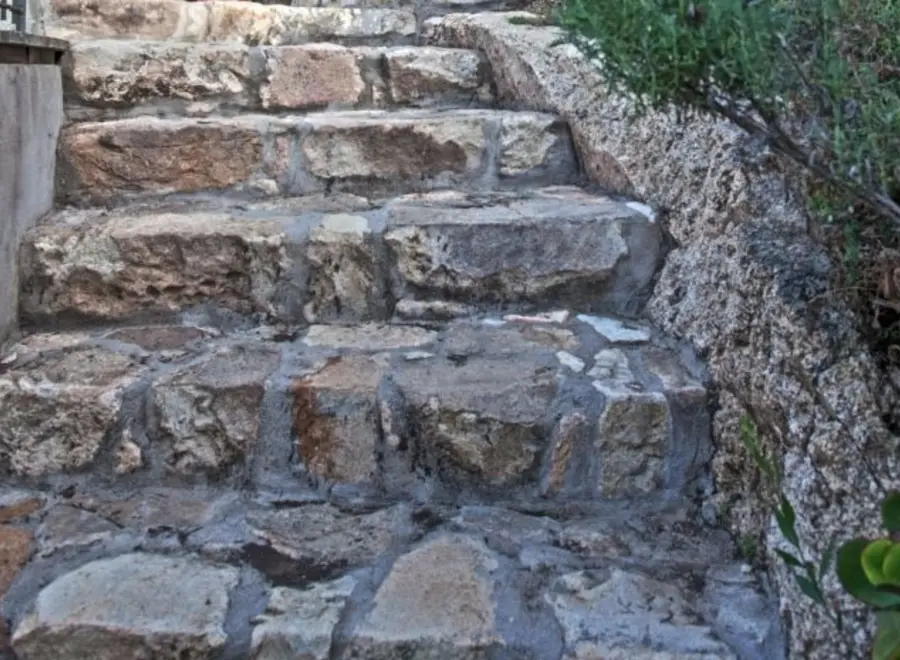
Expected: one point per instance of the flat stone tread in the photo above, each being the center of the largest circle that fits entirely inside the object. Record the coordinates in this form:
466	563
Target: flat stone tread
112	78
228	21
617	575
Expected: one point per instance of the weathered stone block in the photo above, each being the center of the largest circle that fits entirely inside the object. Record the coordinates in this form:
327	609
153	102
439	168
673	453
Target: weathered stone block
633	432
125	74
540	250
310	76
207	415
128	264
319	542
531	142
105	611
56	413
344	283
336	419
101	161
419	76
300	623
369	337
478	420
384	147
437	602
619	615
98	19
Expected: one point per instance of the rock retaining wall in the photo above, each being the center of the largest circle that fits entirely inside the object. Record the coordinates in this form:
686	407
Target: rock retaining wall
747	285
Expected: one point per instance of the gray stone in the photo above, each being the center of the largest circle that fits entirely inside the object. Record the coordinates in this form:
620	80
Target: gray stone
318	541
479	421
624	615
132	606
437	602
208	414
298	625
616	331
67	527
633	432
579	252
369	337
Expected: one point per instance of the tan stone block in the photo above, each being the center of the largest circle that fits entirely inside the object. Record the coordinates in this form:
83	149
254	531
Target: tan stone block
314	75
148	155
420	75
151	263
147	19
379	146
123	74
56	414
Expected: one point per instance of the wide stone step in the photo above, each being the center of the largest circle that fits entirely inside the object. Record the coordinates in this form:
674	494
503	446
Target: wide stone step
228	21
110	79
554	406
423	8
341	259
364	152
228	577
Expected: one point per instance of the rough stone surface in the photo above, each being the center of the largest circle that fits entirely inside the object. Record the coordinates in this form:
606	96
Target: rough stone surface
315	542
364	151
747	286
299	624
633	616
150	263
208	415
464	253
16	546
55	415
418	75
227	22
310	76
335	416
437	601
104	610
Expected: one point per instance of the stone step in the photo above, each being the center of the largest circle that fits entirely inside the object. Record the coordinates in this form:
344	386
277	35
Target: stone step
555	406
363	152
228	21
238	578
340	259
110	79
423	8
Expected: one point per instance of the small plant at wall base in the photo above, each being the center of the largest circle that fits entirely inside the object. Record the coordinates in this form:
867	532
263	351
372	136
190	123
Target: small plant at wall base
868	569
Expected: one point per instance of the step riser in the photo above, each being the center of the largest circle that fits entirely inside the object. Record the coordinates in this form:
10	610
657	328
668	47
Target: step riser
347	267
423	9
243	22
112	80
254	156
410	409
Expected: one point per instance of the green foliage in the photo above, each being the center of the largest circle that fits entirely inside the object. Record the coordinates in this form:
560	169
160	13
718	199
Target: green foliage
819	80
869	570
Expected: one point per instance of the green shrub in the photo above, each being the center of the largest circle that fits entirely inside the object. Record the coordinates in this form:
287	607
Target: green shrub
819	80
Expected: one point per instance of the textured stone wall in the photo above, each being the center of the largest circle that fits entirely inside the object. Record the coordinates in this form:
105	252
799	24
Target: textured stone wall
30	118
746	285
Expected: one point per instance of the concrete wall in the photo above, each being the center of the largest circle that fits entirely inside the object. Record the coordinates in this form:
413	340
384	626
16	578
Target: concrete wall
31	112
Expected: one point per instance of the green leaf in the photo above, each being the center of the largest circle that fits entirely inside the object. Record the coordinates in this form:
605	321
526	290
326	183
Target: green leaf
887	640
890	566
872	559
890	512
787	519
810	588
788	558
853	578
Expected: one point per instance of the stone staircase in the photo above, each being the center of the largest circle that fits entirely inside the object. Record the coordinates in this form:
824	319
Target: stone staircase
328	356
